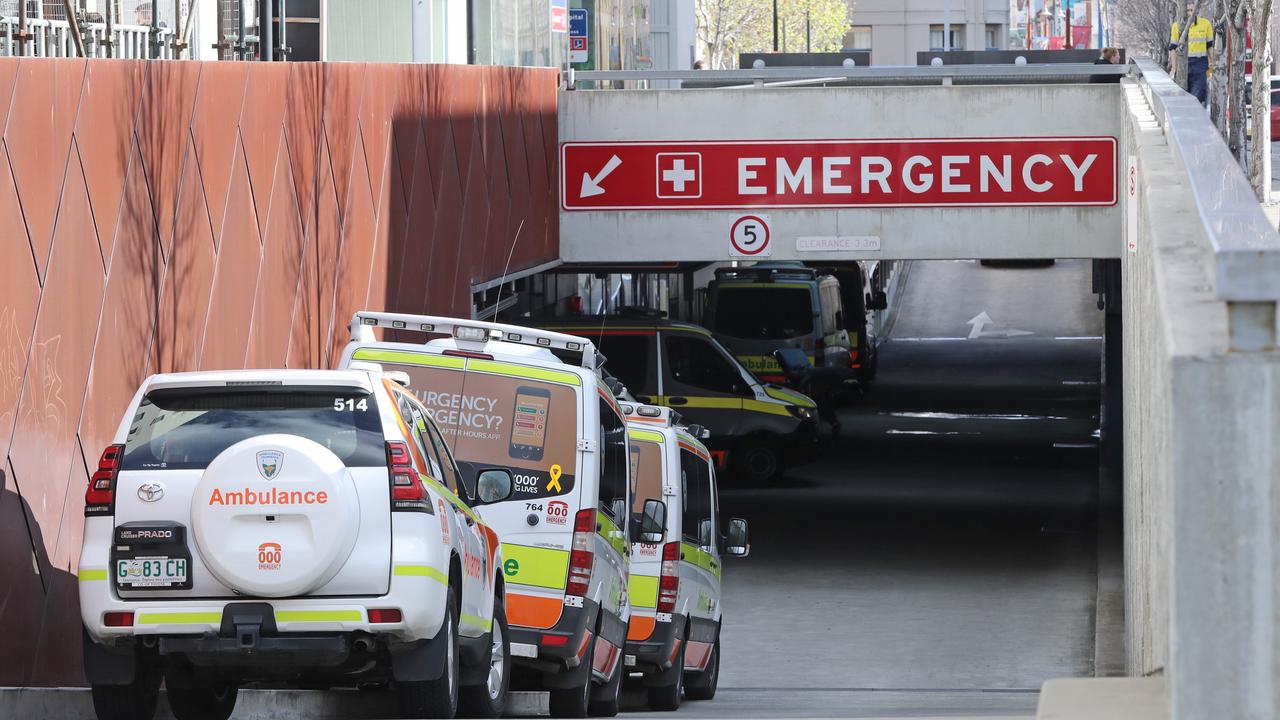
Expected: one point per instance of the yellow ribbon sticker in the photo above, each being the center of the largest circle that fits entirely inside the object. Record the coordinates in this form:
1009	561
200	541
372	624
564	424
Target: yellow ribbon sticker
554	485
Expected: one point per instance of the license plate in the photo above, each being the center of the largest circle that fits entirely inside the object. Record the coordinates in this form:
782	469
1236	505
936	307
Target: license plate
145	572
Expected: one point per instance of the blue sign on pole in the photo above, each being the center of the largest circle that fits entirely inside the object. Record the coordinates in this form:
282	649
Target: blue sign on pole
578	32
578	22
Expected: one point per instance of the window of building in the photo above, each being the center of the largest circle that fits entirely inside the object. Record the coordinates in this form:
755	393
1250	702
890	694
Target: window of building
993	37
858	38
957	37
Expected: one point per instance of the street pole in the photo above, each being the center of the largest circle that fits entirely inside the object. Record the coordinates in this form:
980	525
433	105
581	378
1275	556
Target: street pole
1069	41
266	43
807	46
946	25
775	25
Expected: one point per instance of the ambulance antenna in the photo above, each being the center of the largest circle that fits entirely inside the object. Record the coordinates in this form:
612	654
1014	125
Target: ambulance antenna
498	304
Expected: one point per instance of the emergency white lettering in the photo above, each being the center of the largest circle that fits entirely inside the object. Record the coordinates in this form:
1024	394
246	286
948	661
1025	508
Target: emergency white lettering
747	172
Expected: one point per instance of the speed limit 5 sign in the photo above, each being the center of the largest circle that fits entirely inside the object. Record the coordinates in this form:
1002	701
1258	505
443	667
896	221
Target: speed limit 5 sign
749	237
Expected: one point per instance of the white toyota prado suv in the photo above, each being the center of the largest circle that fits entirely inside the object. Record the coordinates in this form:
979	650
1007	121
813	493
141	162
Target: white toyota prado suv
304	527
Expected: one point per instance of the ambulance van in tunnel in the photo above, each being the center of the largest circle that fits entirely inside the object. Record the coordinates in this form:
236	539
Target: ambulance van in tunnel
758	429
674	635
503	400
768	306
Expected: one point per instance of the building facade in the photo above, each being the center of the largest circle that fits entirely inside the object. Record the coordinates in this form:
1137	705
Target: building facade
895	30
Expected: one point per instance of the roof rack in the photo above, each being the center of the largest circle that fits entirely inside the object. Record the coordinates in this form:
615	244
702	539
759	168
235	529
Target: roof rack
766	274
473	332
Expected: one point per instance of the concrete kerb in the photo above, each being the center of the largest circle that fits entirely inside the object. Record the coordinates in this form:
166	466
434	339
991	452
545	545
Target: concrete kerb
74	703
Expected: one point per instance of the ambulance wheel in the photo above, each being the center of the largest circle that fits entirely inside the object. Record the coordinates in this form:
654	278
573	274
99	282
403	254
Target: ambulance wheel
489	699
604	699
759	461
135	701
215	702
436	698
702	686
665	687
573	702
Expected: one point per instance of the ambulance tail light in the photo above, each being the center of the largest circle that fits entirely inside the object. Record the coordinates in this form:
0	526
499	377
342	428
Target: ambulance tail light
581	558
853	359
669	583
407	492
819	349
100	496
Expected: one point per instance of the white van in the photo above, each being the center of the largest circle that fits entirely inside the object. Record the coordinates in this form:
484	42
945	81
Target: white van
505	400
674	634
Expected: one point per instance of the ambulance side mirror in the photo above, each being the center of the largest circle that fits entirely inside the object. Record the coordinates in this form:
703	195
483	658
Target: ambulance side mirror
653	522
737	545
494	486
879	301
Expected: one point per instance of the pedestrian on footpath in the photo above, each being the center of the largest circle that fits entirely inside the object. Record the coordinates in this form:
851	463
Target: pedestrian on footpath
1108	56
1199	43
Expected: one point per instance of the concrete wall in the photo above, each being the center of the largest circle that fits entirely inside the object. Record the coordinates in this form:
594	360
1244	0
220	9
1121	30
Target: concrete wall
1202	414
169	216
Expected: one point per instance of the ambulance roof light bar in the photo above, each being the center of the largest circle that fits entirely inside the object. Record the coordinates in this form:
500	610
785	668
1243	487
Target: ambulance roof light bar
472	331
767	273
655	414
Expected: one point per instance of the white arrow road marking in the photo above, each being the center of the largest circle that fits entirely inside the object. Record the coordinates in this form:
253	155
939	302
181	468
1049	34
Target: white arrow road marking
591	185
981	320
977	322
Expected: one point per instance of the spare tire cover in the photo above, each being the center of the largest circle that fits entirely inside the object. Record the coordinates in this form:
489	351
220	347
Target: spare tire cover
275	516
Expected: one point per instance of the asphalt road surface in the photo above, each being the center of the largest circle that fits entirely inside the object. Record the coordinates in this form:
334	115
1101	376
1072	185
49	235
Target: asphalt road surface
939	559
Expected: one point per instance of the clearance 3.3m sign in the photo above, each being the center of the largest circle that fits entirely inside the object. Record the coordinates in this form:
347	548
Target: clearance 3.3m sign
936	172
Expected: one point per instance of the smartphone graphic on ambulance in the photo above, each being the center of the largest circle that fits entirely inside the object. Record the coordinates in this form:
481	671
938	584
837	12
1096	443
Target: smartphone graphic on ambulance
529	423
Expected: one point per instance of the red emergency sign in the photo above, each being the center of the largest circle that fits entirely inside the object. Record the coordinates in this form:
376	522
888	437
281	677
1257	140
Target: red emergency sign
950	172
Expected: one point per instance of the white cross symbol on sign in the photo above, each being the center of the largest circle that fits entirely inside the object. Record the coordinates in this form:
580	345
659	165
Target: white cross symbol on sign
678	175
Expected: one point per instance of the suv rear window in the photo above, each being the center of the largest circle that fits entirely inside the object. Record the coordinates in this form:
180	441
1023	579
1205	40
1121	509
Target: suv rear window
186	428
763	312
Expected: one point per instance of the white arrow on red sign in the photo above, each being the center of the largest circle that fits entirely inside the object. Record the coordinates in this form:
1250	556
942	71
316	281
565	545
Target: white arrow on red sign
591	185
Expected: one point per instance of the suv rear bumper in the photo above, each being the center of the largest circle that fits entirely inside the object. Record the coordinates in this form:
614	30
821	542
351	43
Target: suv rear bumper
249	646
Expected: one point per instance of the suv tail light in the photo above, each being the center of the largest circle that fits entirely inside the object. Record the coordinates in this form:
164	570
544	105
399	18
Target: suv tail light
669	584
581	558
100	496
407	491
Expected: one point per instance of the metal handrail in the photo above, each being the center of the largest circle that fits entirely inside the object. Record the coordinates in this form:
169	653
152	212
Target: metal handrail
878	74
1246	247
52	38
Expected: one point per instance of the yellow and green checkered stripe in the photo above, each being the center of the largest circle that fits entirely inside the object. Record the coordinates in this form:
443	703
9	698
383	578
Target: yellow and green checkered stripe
790	396
89	574
644	591
644	435
699	558
180	618
611	533
410	358
420	571
535	566
319	616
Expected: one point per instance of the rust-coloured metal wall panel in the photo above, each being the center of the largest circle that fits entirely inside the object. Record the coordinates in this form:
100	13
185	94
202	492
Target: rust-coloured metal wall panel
167	216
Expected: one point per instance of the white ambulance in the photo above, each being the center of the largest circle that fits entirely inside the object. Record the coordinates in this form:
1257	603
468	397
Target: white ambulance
533	403
674	634
304	527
